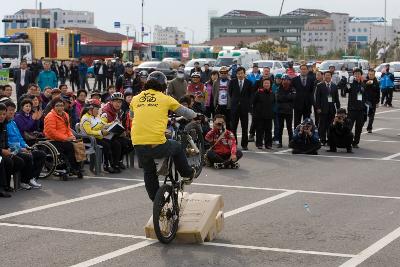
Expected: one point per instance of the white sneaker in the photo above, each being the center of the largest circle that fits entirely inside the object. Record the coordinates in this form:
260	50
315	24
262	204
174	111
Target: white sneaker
25	186
276	142
34	183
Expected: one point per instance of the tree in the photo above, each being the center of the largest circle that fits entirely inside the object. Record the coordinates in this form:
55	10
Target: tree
241	44
266	47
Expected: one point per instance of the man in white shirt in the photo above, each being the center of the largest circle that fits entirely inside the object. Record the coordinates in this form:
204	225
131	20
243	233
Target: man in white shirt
22	78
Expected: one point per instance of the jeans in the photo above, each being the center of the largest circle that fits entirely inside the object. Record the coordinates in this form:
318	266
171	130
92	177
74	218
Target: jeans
82	82
147	154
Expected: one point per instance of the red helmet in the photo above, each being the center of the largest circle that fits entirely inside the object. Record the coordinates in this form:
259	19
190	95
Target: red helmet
94	103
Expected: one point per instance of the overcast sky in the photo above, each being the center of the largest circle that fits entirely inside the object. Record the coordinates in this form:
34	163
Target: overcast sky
194	14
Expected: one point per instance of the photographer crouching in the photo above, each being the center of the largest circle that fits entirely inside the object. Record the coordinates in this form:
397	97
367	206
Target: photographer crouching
223	152
305	139
339	134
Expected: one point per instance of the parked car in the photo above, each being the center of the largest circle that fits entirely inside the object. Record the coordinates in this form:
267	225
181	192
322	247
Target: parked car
164	67
173	62
190	64
394	68
274	65
350	64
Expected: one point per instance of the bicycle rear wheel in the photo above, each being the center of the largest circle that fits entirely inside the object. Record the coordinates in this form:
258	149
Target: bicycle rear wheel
195	160
165	214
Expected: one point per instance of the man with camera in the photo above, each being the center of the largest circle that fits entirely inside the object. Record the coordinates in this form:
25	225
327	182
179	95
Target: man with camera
339	133
305	139
223	152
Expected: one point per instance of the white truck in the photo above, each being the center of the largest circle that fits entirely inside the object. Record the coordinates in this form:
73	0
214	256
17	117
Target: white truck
12	53
244	56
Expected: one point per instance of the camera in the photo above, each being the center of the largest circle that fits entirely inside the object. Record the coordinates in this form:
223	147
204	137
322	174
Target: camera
220	124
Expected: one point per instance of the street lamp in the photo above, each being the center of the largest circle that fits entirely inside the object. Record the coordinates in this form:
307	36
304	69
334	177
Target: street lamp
187	28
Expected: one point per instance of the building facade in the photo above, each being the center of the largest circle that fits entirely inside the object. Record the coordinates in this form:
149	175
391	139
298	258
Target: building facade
168	35
50	18
319	33
363	31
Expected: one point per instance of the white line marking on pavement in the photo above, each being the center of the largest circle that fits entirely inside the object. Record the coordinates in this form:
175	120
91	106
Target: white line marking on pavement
283	151
36	227
258	203
373	249
115	254
376	130
279	250
69	201
387	111
391	156
318	156
380	141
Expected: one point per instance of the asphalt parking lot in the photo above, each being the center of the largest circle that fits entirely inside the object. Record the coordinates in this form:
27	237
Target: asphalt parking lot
353	214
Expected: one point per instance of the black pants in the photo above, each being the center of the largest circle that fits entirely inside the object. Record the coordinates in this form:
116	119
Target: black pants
324	121
74	82
218	158
66	149
289	122
387	96
341	141
63	80
101	79
147	154
300	115
3	176
243	116
125	146
110	81
111	151
227	113
303	148
263	132
371	117
252	131
21	90
358	119
33	164
12	165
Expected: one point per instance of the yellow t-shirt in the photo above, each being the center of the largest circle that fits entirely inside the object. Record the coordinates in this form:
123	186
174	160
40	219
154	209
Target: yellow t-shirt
150	109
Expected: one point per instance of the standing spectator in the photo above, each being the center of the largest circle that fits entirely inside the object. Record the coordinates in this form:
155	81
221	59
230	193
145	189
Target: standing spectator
74	75
291	72
233	68
326	103
195	84
221	97
372	95
275	89
119	68
35	69
47	77
100	70
285	98
319	77
335	76
83	69
340	134
54	68
344	78
387	86
240	92
126	80
80	101
254	77
63	72
263	114
356	105
209	103
22	78
196	68
178	86
206	74
110	73
303	101
7	91
223	152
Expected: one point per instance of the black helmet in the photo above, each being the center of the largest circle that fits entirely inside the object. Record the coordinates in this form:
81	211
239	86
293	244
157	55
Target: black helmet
158	76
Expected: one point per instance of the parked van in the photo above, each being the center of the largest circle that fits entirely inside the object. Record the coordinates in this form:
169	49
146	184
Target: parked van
244	56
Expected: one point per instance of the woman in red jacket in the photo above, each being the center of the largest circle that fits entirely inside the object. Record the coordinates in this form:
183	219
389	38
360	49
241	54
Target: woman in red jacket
57	130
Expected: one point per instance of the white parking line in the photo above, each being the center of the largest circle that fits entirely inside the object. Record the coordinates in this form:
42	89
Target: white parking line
380	141
387	111
283	151
69	201
373	249
376	130
391	156
36	227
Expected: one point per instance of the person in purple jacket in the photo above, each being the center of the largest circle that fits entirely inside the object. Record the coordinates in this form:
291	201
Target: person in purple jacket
28	122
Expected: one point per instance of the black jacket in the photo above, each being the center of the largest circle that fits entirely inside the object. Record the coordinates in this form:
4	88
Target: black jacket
321	98
372	92
29	78
97	68
63	71
110	71
3	137
285	99
354	104
263	103
304	94
240	99
341	129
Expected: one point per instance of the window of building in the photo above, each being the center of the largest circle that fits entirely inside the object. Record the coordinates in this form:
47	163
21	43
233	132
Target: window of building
326	33
352	38
245	30
262	31
353	30
275	30
362	38
359	29
310	33
365	30
231	30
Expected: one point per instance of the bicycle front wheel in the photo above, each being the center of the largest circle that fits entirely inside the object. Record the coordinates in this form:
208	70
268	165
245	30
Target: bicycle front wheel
165	214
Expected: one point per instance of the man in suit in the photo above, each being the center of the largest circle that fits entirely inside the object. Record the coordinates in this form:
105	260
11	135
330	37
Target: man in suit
303	101
326	103
240	92
22	78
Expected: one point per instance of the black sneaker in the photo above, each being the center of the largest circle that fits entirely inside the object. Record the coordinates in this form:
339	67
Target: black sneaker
109	169
369	130
355	146
279	146
331	150
4	194
350	151
189	180
251	138
121	165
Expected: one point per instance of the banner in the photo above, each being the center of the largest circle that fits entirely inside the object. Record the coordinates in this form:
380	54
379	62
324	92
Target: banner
77	45
4	76
53	44
185	51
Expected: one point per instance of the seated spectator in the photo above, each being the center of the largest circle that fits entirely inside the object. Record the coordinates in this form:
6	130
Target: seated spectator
223	152
28	122
126	116
4	183
33	90
7	90
95	95
70	109
80	102
305	139
1	91
46	97
105	98
186	101
57	129
111	113
36	104
63	88
33	161
339	133
195	85
92	125
55	95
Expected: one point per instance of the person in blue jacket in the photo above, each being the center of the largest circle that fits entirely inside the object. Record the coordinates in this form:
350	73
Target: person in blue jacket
305	138
83	71
387	86
47	77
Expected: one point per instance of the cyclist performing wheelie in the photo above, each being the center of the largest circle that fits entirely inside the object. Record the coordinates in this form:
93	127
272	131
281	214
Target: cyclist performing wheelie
150	118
